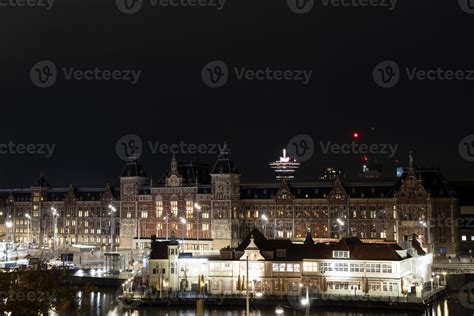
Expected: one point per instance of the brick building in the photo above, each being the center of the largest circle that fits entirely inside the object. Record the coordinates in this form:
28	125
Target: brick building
209	208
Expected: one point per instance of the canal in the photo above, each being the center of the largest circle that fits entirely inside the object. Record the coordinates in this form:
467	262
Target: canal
104	303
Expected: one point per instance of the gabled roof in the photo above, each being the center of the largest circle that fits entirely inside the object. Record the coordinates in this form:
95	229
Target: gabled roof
432	181
297	252
191	173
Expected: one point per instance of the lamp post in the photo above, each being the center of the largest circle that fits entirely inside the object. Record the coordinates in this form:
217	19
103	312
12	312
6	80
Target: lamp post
167	228
112	226
247	298
198	207
265	221
183	221
431	280
341	226
9	225
54	213
28	217
437	279
444	275
279	310
306	302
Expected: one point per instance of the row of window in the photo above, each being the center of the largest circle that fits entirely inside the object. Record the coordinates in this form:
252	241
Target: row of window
346	267
464	238
286	267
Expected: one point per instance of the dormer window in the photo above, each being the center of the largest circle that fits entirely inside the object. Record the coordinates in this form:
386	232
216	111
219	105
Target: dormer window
340	254
281	253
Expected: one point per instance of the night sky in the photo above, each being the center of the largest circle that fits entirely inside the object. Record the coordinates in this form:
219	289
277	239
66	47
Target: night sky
171	104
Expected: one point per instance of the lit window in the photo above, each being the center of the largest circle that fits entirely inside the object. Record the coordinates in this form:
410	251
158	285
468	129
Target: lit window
174	208
144	214
463	238
159	209
205	227
129	214
310	266
340	254
472	238
189	209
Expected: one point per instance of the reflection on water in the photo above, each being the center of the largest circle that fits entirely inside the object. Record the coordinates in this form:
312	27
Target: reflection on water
103	303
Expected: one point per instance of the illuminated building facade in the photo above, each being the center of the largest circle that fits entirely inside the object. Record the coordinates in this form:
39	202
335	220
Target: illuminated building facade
209	208
280	267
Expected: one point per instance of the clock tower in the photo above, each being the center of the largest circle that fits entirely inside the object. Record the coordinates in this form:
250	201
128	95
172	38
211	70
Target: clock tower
225	200
132	179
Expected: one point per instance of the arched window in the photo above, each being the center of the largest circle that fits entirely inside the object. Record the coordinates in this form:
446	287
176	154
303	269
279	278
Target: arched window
159	206
174	206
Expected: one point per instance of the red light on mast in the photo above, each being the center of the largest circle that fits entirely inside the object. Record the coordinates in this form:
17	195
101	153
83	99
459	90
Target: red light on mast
355	135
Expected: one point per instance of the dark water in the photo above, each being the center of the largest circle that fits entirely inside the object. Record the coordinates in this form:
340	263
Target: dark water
104	304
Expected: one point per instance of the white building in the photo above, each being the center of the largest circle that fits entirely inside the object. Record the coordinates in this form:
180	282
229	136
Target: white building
278	266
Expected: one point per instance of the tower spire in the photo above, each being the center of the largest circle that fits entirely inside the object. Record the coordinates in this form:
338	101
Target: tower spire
285	167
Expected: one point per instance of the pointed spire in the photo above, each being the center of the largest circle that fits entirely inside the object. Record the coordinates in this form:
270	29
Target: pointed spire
411	171
225	163
174	166
309	238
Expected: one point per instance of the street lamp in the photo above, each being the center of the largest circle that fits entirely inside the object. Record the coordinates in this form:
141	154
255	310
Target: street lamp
305	301
198	207
437	278
112	226
54	212
28	228
265	221
341	226
444	274
279	310
183	221
167	227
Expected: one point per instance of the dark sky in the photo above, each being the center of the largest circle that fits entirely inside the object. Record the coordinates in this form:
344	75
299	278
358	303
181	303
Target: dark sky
170	103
